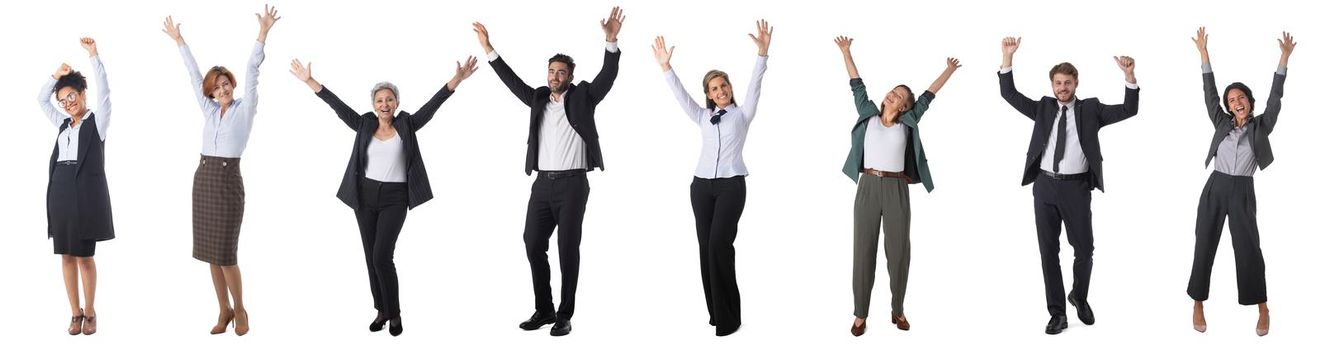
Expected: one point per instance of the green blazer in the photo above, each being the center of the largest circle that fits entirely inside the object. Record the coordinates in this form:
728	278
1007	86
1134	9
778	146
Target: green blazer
915	159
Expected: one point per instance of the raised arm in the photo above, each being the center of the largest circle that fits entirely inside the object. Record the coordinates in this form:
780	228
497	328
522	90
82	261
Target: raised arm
763	41
690	107
605	79
190	64
343	111
845	44
1008	91
1111	114
951	64
43	96
515	84
266	20
102	88
1272	112
428	110
1210	96
861	101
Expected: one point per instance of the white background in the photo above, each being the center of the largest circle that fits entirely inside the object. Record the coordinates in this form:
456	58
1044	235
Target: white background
464	278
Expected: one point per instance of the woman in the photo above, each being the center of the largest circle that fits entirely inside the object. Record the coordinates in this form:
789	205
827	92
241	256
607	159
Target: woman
385	177
218	197
886	156
1240	145
77	197
718	191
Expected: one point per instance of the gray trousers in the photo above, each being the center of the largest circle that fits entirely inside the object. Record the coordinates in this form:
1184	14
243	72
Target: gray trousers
879	197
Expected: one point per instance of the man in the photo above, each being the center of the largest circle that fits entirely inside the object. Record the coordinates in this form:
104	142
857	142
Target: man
562	148
1064	161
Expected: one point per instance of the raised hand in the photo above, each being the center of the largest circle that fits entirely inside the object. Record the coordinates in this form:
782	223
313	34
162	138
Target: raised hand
1127	64
462	71
172	29
1009	45
89	45
845	43
662	53
63	70
304	74
1286	48
1200	39
612	24
951	64
763	37
483	37
266	21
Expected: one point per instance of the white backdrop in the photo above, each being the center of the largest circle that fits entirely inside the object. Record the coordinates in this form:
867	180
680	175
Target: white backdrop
464	279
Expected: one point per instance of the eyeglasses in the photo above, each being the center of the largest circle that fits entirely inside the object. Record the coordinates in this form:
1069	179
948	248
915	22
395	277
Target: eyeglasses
69	99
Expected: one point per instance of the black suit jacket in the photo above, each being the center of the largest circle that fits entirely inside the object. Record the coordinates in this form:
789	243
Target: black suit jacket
406	126
1258	128
580	106
1091	115
95	221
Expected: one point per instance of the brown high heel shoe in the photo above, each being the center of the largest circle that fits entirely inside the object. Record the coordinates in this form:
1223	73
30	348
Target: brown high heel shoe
76	324
899	321
241	323
89	325
223	323
858	328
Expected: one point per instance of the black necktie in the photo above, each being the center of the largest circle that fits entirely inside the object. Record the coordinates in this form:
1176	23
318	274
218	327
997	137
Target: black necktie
1060	136
715	119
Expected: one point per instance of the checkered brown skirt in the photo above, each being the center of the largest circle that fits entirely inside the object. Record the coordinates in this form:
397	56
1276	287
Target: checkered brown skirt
217	210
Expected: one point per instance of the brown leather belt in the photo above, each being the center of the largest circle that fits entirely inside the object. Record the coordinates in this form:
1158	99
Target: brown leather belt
879	173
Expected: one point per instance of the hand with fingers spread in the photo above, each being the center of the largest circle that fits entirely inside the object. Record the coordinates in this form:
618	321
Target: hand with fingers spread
90	45
483	37
1008	47
304	74
1286	48
172	29
612	24
845	47
951	64
1126	64
662	53
461	72
266	21
1200	41
763	37
63	70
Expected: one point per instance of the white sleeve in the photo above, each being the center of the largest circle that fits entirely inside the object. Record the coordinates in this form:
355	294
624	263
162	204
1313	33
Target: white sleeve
195	76
43	99
754	88
254	66
690	107
102	97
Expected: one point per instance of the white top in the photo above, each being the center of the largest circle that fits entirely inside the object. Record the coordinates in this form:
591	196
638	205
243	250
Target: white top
1074	161
67	141
883	148
226	136
385	160
722	144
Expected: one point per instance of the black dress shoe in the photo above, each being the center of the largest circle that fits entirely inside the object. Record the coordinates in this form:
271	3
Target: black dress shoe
561	328
396	326
379	323
536	321
1084	310
1057	324
723	331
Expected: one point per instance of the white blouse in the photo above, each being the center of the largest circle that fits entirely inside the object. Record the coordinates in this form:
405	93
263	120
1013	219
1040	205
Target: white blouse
722	144
226	136
67	141
385	160
883	148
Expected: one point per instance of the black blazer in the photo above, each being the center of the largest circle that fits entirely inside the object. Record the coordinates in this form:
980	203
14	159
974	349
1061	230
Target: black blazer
580	106
1258	128
406	125
1091	115
95	221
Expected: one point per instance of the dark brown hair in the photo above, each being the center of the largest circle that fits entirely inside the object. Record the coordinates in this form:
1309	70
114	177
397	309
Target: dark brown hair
1065	68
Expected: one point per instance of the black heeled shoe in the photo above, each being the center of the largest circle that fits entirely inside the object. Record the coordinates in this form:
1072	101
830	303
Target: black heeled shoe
379	323
396	326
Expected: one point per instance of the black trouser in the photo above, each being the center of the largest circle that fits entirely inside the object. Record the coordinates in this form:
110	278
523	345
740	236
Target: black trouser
1069	201
559	198
717	206
382	208
1235	197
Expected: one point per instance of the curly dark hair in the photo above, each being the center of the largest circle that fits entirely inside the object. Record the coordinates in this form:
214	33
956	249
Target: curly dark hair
74	80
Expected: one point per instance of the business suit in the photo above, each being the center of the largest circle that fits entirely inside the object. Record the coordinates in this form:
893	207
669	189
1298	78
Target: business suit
1231	192
381	207
559	198
1067	198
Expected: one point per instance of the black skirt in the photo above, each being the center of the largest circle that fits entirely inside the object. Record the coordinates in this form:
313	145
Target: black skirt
62	211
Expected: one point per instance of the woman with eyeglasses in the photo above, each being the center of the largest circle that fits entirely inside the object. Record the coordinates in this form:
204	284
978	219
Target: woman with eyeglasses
77	196
385	177
218	196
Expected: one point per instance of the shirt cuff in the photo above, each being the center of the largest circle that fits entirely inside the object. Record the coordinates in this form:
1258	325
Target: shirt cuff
1131	86
1006	70
491	57
612	47
1282	70
1206	68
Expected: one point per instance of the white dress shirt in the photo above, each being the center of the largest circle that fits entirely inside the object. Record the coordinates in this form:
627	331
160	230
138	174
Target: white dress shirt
385	160
883	148
67	141
722	144
560	147
226	136
1074	161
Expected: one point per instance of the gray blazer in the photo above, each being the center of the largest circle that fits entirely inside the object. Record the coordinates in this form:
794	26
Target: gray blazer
1258	128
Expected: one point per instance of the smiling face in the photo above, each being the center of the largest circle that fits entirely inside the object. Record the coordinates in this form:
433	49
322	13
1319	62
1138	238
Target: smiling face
899	98
73	102
1064	85
385	103
1238	103
223	91
719	91
558	76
